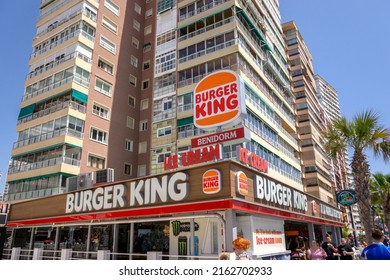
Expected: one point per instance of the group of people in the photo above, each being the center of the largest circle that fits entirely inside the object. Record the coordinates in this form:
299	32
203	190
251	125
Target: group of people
344	251
378	250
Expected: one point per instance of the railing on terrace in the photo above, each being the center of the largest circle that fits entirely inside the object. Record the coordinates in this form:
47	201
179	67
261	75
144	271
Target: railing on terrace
270	119
69	254
209	50
168	114
53	9
57	107
53	63
207	28
62	40
185	107
44	163
202	9
41	90
265	90
196	79
48	135
84	11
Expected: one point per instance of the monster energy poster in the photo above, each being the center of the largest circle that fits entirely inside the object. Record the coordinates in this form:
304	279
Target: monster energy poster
183	245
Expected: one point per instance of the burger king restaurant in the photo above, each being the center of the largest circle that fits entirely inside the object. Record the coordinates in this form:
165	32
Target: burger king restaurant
190	213
193	210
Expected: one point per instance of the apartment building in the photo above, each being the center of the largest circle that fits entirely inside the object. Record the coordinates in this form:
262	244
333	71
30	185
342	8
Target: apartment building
311	119
341	169
152	80
80	109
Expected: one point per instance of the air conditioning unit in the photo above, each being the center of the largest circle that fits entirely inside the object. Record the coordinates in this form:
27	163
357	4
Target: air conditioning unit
84	181
103	176
71	184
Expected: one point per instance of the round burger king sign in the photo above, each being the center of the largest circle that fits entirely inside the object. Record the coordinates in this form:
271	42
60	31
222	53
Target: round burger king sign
219	100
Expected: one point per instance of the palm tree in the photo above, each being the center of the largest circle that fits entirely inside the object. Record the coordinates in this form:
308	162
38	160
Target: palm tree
361	134
380	194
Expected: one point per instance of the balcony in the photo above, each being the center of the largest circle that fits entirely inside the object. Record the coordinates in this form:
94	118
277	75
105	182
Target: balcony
51	27
208	50
55	63
211	5
44	163
62	40
51	86
57	107
47	136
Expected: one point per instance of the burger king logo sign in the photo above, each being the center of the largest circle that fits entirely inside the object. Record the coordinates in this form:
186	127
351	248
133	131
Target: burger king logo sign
219	100
211	181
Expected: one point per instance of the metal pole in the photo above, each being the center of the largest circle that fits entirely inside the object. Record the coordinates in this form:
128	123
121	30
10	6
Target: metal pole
353	226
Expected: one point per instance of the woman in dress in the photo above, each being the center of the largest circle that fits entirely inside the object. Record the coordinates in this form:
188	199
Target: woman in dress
315	252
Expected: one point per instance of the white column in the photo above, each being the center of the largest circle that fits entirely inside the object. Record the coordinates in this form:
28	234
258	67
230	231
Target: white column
15	255
38	254
152	255
66	254
103	254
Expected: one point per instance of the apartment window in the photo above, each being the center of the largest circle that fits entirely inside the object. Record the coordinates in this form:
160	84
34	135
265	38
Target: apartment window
166	61
147	47
109	25
136	25
164	5
100	111
164	131
135	42
105	43
133	80
137	9
145	84
161	157
96	161
103	87
128	169
149	13
130	122
132	101
148	30
134	61
105	66
167	105
111	6
129	145
98	135
141	170
146	65
144	104
143	125
142	146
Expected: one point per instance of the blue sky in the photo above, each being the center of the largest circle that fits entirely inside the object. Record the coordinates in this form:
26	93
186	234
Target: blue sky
348	40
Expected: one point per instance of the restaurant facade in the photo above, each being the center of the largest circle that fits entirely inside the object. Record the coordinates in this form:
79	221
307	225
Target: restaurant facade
194	212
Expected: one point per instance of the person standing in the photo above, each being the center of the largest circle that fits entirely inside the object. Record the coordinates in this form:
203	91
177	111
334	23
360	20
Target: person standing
377	250
345	250
240	247
315	252
330	248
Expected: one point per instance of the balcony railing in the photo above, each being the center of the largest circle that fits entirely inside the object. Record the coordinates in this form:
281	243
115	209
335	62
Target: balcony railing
202	9
209	50
185	107
55	108
205	29
55	85
55	63
43	164
85	12
48	135
62	40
